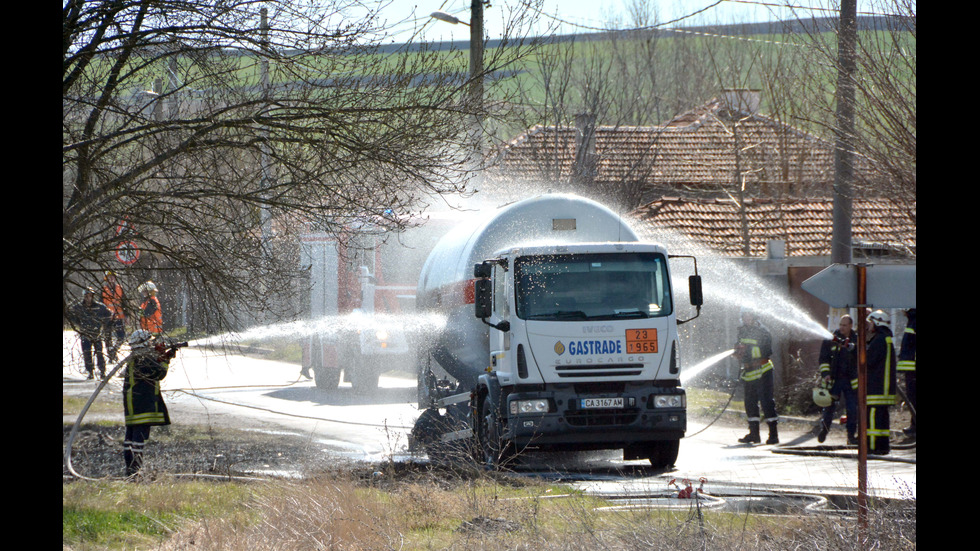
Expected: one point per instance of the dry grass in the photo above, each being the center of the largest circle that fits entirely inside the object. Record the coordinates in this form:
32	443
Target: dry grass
481	513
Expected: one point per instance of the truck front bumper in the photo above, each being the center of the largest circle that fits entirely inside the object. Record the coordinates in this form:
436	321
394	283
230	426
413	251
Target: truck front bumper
570	425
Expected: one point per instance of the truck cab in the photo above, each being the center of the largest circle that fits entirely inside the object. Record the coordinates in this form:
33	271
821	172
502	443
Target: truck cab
582	351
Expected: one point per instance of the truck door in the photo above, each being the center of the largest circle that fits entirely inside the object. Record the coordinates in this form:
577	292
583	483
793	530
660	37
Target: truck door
500	340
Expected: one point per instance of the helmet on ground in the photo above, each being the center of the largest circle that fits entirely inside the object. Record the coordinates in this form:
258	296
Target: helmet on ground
821	397
148	287
878	318
140	339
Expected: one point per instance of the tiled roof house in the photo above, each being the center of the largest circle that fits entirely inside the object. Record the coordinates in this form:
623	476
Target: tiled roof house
683	175
701	153
879	227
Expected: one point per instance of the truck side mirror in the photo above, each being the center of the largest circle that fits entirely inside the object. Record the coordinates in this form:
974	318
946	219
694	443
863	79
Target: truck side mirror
482	270
482	298
694	282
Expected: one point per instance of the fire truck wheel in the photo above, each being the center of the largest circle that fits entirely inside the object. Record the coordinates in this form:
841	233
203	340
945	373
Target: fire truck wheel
494	452
326	378
663	454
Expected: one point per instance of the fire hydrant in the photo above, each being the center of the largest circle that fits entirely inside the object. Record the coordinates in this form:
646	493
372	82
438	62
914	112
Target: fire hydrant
688	491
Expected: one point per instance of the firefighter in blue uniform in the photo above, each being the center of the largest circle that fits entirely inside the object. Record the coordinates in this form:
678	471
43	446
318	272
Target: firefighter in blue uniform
881	382
906	365
143	404
839	371
754	352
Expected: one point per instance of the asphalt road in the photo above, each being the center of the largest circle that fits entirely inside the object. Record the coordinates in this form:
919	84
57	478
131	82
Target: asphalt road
266	395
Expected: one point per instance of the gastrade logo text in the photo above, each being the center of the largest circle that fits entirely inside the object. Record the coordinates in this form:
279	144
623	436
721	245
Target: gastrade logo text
583	347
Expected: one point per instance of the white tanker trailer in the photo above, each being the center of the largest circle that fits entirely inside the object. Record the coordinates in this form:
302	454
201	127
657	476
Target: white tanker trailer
561	334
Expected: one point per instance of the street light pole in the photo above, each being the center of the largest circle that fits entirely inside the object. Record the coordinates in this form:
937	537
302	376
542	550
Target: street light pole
476	75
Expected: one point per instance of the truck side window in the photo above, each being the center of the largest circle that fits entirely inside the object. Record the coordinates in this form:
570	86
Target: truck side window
500	305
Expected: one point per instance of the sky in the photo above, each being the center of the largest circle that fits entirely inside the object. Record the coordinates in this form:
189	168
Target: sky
571	16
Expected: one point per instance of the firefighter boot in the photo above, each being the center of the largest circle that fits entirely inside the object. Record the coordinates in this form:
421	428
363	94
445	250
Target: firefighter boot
822	435
773	433
753	436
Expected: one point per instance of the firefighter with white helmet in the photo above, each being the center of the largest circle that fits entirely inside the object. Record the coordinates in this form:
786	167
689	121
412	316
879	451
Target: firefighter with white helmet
881	382
839	377
151	315
142	401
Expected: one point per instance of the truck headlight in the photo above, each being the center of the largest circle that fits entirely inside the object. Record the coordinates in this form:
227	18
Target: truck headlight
540	405
669	401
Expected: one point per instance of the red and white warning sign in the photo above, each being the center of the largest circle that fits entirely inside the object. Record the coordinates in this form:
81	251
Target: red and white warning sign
127	252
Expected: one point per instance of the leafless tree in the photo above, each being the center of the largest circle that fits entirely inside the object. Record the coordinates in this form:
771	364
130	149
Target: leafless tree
209	133
885	98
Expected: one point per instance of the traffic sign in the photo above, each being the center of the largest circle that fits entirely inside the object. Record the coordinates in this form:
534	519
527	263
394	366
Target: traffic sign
127	252
888	285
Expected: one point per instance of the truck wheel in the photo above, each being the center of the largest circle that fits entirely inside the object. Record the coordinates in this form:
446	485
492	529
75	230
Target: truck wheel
326	378
663	454
494	452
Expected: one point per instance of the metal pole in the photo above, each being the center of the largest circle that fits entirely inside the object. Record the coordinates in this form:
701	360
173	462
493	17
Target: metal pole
476	80
840	251
264	149
862	357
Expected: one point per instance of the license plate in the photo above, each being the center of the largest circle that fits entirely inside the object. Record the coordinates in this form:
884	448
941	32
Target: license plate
602	403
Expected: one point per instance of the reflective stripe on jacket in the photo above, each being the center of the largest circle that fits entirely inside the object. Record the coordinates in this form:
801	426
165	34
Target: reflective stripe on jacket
881	368
906	358
755	345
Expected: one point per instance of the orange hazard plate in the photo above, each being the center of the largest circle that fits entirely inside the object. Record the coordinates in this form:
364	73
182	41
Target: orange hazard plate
641	341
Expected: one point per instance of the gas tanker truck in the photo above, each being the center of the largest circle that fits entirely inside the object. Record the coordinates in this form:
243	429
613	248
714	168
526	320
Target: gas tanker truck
560	334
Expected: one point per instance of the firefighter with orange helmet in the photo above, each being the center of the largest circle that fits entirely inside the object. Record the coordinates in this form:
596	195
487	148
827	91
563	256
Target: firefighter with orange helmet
113	297
881	382
151	315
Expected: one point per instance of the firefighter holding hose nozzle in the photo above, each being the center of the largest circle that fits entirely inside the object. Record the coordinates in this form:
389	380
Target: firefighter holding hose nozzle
839	377
754	352
142	402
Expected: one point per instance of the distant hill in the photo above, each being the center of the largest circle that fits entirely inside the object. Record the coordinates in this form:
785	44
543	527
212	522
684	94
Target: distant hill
819	25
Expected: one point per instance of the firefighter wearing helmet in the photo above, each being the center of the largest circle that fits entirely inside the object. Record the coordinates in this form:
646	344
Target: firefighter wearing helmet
143	403
151	316
753	351
881	381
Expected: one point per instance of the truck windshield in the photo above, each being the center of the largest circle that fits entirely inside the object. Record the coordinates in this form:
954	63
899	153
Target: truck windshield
592	286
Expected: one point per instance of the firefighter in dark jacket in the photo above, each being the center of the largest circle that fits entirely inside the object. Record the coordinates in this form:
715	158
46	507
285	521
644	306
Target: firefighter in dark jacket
143	404
881	382
91	318
906	365
839	371
754	352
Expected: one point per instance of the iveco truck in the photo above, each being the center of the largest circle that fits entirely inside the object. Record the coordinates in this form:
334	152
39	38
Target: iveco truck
560	334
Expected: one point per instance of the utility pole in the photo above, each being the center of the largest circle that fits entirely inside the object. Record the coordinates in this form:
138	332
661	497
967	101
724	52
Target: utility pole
476	80
264	148
476	84
840	250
